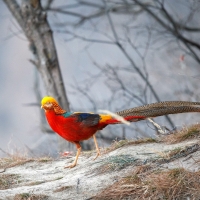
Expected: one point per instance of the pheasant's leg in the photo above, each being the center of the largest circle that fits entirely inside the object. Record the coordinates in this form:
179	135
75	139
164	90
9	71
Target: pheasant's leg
78	146
97	147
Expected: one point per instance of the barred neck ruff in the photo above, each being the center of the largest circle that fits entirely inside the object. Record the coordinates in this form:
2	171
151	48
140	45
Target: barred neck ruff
57	109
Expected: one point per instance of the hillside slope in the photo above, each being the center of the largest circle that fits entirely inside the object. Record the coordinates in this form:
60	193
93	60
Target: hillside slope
45	178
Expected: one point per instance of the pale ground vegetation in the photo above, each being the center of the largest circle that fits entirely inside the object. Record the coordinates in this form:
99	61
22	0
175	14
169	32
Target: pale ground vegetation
164	168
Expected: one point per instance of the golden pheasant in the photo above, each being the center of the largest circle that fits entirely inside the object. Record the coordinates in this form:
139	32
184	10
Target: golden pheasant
76	126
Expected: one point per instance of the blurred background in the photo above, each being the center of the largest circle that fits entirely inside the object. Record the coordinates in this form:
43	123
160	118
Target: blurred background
113	55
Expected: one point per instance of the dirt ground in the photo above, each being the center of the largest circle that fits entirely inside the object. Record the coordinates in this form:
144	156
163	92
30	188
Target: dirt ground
47	179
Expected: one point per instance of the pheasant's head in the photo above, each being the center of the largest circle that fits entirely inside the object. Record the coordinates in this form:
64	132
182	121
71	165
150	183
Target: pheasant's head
48	103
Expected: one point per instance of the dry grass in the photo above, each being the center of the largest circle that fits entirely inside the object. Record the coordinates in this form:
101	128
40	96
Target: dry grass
121	143
178	153
43	159
60	189
169	154
15	160
114	163
41	182
88	154
35	183
58	178
172	184
173	152
185	133
8	181
27	196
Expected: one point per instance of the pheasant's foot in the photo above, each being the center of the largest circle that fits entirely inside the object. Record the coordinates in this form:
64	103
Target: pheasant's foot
98	154
77	155
70	166
97	148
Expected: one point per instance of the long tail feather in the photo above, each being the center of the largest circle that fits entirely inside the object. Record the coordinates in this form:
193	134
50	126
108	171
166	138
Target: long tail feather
113	118
159	109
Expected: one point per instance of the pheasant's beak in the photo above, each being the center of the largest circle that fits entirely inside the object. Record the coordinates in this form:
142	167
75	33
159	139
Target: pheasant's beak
42	106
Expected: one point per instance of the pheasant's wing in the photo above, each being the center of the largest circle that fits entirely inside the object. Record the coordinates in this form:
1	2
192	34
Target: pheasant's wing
87	119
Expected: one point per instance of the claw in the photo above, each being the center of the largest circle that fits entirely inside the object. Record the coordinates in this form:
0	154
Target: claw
70	166
97	155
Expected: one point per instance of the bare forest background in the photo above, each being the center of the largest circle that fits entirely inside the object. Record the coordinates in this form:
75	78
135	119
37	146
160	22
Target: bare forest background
94	55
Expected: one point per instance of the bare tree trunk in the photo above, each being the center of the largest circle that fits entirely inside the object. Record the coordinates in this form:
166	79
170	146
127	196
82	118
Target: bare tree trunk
33	21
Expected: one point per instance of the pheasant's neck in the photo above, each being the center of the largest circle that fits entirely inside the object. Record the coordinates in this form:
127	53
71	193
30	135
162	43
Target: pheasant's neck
58	110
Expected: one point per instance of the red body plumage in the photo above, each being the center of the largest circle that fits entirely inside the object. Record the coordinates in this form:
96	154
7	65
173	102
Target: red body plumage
71	129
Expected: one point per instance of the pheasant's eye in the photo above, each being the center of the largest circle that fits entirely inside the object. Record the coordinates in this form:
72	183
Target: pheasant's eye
48	104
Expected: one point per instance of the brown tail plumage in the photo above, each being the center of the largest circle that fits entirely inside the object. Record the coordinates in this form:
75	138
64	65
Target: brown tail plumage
160	109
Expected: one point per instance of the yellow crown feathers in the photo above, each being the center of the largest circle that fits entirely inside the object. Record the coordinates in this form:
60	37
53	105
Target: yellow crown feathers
48	99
